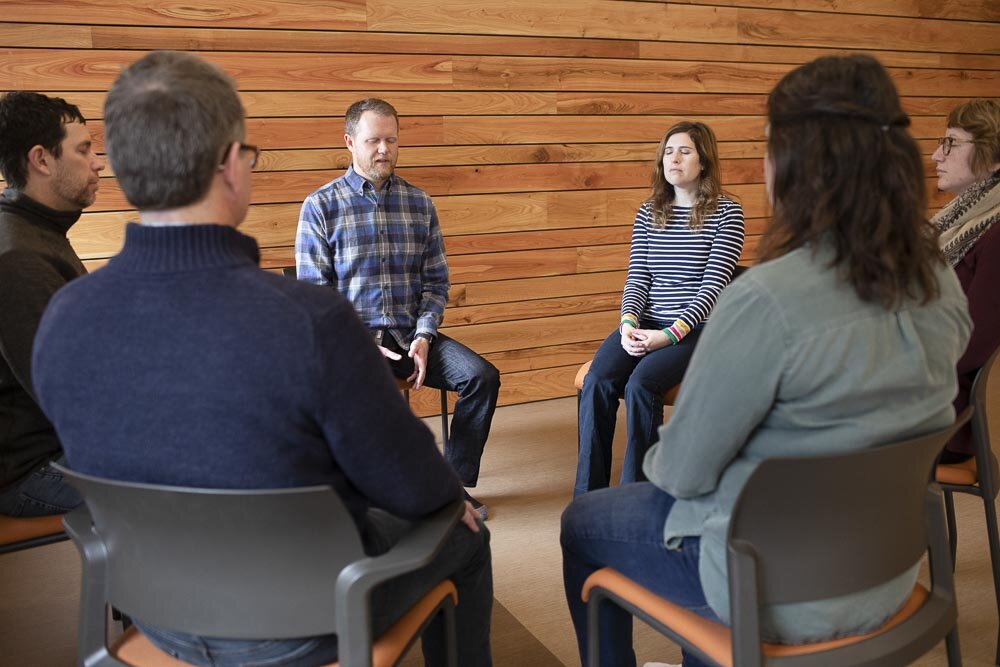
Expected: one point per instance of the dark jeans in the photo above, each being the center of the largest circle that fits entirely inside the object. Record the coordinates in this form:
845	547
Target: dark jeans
453	366
642	381
464	558
41	493
622	528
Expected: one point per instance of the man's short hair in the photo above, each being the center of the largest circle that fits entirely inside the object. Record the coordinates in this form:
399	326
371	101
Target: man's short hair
374	104
31	119
169	119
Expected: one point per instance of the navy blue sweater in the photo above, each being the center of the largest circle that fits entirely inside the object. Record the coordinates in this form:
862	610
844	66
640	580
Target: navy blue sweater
181	362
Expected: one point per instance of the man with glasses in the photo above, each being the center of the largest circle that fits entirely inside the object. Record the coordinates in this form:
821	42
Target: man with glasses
376	238
181	362
48	160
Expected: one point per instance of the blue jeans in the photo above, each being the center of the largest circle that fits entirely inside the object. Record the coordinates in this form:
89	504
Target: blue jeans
622	528
453	366
41	493
642	381
464	558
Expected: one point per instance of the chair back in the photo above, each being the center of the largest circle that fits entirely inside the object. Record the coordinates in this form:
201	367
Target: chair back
241	564
985	458
816	527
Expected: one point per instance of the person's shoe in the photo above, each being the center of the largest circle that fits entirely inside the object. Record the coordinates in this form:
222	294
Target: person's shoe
478	506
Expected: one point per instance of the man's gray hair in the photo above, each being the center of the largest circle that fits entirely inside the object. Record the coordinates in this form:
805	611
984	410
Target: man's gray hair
374	104
169	119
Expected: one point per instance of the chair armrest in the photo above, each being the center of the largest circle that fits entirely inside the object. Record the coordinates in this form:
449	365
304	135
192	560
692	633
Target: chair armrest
356	581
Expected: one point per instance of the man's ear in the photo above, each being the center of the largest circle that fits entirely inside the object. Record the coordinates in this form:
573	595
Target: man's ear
40	160
230	165
349	142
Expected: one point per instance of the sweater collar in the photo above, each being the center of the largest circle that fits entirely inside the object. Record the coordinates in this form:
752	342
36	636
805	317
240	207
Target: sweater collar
184	248
20	204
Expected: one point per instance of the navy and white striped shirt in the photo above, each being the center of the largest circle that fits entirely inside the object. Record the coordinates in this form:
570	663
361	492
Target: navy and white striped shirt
675	273
381	250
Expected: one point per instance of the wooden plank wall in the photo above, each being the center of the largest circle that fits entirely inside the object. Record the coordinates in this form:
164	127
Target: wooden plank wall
531	123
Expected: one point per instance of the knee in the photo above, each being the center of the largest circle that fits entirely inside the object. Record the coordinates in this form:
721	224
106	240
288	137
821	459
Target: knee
486	379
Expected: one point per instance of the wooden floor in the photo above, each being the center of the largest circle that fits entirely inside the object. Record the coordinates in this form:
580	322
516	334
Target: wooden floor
526	482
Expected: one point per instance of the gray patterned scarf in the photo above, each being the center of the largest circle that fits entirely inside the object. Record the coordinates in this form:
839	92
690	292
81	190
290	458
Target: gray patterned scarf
967	217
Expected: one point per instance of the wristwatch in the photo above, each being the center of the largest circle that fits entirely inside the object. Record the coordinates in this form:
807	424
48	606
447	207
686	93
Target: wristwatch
426	336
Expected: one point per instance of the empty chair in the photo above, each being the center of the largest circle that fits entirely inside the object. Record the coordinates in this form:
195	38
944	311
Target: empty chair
978	476
811	528
242	564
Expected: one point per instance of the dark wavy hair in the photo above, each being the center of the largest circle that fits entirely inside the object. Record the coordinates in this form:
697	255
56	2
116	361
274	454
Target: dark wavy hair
662	197
848	175
27	120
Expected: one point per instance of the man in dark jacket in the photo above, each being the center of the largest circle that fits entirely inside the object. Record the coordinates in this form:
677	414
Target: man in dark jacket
51	170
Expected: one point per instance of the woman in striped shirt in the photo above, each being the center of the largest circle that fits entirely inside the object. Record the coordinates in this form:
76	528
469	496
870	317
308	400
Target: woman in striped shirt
686	240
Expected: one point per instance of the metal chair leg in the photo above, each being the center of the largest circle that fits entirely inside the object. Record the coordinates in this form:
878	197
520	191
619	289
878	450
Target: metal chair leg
949	506
952	647
994	541
444	417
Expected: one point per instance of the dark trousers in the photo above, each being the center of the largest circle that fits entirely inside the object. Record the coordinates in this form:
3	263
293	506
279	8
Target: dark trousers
622	528
454	367
642	381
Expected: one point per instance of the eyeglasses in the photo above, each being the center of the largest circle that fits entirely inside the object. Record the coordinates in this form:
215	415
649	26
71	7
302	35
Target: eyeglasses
947	143
242	147
256	153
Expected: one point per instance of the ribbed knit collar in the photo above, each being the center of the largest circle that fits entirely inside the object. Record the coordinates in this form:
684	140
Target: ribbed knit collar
184	248
24	206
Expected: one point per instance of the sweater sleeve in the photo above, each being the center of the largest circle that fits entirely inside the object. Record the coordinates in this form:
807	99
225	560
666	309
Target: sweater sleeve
639	278
383	449
729	388
26	286
984	303
725	252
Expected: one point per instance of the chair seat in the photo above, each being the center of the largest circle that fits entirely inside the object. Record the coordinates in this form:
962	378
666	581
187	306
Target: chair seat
19	529
715	639
135	649
669	396
964	473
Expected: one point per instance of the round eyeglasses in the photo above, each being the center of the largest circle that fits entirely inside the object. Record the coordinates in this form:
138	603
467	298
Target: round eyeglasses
947	143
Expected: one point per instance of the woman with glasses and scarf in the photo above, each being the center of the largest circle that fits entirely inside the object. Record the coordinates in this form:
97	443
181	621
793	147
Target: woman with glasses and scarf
968	166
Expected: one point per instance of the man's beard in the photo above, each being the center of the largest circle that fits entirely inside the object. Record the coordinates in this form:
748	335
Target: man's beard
78	193
379	170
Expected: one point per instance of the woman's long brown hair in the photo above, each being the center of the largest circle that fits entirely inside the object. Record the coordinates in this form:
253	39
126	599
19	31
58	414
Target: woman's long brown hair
848	175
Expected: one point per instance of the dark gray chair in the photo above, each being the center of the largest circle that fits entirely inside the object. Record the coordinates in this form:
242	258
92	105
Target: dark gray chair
978	477
810	528
241	564
404	386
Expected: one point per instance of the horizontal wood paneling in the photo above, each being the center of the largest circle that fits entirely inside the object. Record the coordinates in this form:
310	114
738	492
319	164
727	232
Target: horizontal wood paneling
531	124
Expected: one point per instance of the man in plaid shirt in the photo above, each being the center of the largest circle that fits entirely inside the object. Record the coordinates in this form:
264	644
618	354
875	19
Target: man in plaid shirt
376	238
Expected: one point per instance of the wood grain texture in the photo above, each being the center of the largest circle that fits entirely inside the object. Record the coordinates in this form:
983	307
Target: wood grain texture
532	125
657	21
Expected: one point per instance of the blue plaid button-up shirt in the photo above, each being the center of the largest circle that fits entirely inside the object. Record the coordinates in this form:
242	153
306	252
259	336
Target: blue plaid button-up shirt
382	250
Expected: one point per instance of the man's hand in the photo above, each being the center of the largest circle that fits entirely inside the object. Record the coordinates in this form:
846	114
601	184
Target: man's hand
389	354
471	516
418	352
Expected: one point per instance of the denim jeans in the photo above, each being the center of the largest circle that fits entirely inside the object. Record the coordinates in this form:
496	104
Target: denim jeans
464	558
622	528
642	381
41	493
453	366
